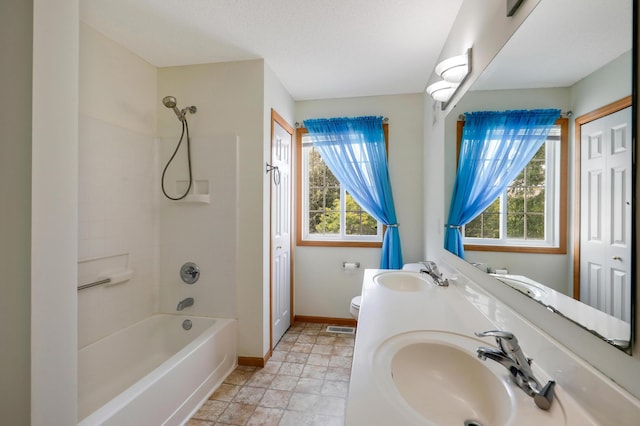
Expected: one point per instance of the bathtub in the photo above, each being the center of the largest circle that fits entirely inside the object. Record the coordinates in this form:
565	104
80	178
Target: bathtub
154	372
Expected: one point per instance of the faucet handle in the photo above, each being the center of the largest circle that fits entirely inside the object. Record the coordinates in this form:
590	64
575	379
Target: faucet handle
544	397
506	340
498	334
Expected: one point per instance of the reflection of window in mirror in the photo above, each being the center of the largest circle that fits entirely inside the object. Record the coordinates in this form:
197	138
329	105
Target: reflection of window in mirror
530	216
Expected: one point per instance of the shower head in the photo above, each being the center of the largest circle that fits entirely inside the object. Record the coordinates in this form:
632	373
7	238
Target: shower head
170	102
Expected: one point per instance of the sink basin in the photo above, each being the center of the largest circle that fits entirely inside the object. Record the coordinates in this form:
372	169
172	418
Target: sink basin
435	378
403	280
522	285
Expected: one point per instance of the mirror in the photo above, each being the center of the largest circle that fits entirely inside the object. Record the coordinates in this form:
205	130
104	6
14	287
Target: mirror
576	57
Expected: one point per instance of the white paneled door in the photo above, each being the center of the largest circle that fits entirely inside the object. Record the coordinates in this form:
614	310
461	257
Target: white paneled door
281	225
605	210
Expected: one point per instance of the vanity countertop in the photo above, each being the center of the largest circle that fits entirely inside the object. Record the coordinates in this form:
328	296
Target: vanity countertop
462	308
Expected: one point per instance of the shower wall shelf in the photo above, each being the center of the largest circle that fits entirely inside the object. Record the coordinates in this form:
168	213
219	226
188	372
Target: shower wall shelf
199	191
197	198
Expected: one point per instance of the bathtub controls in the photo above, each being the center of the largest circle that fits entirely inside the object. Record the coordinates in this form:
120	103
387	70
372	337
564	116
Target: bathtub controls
187	324
190	272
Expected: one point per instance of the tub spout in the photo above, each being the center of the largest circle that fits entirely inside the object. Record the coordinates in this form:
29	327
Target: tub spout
185	303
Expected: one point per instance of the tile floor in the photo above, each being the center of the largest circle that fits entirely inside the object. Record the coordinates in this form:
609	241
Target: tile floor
304	383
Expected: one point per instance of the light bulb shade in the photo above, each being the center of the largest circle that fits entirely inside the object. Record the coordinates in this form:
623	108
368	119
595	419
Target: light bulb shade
454	69
442	90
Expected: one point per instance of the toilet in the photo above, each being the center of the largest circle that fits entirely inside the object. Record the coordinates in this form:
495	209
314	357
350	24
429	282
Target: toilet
355	306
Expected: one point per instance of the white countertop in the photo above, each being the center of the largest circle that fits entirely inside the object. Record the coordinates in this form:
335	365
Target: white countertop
462	308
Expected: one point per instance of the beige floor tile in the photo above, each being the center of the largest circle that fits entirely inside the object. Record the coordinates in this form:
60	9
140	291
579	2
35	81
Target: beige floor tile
302	347
338	373
319	359
335	388
272	367
340	361
260	380
297	418
291	369
239	377
282	382
249	395
305	382
211	410
313	371
308	385
225	392
264	416
298	357
237	414
275	398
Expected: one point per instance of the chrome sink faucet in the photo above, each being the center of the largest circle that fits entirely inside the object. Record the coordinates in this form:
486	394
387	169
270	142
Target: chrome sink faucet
510	356
431	269
185	303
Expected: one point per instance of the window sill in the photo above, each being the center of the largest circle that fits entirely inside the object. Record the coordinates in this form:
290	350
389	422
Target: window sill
516	249
363	244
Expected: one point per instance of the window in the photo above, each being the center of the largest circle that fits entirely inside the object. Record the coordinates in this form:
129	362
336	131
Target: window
530	215
327	215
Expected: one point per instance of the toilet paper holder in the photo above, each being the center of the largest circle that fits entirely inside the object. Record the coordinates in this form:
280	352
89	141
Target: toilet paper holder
350	265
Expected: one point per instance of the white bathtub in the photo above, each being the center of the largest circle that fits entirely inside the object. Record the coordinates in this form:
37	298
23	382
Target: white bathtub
154	372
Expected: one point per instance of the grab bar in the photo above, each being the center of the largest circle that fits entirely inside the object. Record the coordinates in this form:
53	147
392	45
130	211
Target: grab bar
95	283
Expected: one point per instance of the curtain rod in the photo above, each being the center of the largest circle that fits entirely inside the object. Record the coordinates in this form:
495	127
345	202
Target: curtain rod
299	125
566	114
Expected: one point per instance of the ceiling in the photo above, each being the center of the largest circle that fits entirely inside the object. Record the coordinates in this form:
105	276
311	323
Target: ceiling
318	49
347	48
560	43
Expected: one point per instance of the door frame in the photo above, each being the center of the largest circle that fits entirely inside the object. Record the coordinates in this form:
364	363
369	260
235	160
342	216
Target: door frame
277	118
579	121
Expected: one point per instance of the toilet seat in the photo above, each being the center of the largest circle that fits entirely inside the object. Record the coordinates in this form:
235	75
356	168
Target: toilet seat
355	306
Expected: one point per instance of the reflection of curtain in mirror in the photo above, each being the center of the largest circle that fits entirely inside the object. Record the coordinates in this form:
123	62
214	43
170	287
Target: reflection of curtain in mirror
354	149
495	147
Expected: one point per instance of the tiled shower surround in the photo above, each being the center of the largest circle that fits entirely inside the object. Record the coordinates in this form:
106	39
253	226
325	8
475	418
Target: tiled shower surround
305	382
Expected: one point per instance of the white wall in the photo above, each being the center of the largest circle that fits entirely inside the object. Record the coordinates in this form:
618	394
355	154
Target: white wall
16	37
604	86
225	237
117	214
322	287
54	217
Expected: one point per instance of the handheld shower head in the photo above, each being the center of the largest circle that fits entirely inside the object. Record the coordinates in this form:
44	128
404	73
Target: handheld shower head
171	103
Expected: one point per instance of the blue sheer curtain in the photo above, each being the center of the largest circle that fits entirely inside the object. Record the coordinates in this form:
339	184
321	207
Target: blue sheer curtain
354	149
495	147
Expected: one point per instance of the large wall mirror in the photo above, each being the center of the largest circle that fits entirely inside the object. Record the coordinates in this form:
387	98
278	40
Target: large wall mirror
576	57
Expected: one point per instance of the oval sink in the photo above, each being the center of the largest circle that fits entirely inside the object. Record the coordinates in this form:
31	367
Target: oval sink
435	378
443	381
402	280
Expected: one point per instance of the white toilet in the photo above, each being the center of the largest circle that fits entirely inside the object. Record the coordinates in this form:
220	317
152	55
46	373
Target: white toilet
355	306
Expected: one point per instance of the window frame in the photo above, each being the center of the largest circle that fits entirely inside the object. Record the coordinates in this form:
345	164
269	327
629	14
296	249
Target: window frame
300	222
559	223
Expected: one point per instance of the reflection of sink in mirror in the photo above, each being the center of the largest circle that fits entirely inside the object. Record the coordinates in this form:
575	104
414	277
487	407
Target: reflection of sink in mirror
522	284
403	280
438	375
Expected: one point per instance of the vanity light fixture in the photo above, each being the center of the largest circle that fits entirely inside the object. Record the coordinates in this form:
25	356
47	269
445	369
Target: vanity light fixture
454	69
453	72
442	90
